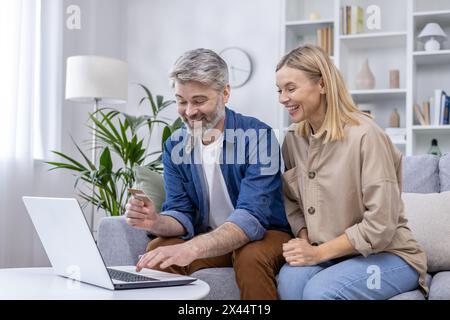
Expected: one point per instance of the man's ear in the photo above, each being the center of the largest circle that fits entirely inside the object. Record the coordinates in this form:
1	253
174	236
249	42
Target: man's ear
226	93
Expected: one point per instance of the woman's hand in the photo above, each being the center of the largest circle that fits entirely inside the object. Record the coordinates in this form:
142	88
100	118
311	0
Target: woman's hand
298	252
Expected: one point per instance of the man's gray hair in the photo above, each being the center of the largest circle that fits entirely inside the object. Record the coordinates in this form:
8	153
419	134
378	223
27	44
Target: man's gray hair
201	65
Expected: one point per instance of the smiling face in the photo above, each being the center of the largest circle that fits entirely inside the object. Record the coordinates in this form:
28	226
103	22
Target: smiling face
200	105
301	96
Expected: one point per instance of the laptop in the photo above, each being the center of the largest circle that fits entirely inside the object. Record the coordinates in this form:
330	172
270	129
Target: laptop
73	253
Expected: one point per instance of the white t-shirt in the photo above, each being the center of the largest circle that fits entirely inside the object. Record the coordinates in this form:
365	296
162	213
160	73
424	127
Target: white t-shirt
220	206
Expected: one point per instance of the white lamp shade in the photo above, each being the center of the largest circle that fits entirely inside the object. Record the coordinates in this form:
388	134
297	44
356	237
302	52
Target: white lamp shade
432	30
92	77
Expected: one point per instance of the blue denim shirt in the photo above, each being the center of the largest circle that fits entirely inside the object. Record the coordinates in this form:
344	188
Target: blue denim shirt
250	164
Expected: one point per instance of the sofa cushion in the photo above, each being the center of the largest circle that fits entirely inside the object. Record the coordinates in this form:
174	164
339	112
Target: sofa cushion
413	295
119	243
429	220
421	174
444	172
222	282
440	286
152	183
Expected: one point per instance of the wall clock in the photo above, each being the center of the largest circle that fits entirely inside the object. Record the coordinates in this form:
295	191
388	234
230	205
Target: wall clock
240	65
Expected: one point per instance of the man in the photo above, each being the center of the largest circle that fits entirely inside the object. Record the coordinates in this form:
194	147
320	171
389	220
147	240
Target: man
223	189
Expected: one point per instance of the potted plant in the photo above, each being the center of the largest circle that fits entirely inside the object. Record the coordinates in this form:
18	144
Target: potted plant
105	184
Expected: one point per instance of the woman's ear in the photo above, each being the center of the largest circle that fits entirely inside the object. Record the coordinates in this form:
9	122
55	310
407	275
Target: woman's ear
322	86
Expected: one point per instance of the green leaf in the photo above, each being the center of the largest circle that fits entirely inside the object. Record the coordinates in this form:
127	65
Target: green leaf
150	99
60	165
105	160
161	122
165	135
90	164
165	104
159	102
71	160
142	100
112	129
177	124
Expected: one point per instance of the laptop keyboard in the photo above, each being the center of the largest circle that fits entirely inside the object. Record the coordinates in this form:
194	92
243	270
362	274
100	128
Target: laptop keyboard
127	277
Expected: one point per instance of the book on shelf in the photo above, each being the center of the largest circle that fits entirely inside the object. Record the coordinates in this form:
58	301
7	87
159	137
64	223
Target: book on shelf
352	19
447	111
444	112
426	112
420	116
435	111
440	108
325	39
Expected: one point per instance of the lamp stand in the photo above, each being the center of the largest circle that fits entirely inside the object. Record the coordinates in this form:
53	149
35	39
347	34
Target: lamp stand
432	45
94	159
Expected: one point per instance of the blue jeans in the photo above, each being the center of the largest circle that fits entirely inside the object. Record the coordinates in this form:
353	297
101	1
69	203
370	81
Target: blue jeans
377	277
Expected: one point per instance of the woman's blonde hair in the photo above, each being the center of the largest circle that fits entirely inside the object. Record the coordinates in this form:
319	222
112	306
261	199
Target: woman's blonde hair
340	108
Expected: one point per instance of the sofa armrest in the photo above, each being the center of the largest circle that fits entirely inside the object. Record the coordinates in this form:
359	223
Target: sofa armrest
119	243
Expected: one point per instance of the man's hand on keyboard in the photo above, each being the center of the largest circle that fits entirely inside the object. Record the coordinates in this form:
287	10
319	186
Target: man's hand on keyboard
179	254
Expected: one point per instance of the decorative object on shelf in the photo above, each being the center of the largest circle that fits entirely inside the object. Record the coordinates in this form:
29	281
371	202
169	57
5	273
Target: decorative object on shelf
365	79
240	65
432	34
397	135
374	17
394	119
314	15
434	149
394	79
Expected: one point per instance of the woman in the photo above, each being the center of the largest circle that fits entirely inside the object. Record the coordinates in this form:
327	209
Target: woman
342	189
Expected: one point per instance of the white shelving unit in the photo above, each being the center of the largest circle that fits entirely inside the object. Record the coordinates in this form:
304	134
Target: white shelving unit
394	46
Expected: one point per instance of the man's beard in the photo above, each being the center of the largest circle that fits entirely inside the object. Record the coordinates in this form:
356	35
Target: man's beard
199	127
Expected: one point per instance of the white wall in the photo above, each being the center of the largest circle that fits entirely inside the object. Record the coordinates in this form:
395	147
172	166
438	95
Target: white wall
159	31
102	33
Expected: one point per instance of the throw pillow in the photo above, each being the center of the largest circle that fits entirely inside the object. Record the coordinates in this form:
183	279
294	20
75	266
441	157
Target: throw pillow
421	174
444	172
152	183
429	220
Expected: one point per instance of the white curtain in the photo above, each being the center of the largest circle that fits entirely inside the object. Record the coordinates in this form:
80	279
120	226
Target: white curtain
30	97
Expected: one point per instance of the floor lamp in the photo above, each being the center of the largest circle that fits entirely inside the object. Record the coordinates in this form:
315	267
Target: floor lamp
91	79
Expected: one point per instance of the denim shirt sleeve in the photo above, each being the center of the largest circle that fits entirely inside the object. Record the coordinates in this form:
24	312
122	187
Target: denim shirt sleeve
259	187
177	204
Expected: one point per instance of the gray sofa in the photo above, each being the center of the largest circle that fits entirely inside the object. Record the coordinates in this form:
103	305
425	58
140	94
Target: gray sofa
426	174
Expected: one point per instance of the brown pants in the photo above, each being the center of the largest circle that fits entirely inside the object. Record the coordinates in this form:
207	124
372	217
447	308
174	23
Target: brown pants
256	264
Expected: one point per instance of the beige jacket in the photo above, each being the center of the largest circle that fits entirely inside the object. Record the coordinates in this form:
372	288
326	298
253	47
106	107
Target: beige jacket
352	186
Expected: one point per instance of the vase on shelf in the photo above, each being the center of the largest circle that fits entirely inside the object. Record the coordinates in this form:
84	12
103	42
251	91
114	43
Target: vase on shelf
434	149
365	79
394	119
